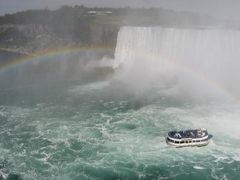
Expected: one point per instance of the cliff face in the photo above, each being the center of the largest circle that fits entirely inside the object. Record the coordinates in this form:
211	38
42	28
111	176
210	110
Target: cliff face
34	37
104	34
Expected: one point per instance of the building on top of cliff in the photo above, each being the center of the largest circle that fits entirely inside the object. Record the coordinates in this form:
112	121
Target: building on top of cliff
99	13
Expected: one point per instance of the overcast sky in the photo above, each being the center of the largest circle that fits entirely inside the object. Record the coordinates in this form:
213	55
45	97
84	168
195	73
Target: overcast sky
228	9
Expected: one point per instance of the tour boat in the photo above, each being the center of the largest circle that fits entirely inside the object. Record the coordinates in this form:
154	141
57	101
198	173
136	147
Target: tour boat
190	137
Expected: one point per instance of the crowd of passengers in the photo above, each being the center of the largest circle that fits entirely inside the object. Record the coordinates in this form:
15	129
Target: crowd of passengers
185	134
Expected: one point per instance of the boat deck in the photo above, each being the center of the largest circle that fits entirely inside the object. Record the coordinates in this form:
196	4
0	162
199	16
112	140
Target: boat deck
187	134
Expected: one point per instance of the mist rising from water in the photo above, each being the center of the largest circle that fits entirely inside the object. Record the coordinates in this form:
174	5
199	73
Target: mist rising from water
197	61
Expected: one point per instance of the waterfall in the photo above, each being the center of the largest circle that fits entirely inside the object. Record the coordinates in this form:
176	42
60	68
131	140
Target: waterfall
212	53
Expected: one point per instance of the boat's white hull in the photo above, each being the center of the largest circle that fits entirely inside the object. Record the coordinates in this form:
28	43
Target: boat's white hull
203	143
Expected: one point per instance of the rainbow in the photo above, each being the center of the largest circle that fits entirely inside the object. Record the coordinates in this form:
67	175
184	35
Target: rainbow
49	53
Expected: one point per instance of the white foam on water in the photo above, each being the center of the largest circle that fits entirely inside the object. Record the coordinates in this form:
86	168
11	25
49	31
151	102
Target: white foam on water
199	167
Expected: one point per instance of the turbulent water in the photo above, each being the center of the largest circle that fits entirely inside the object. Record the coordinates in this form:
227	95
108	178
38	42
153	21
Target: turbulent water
115	128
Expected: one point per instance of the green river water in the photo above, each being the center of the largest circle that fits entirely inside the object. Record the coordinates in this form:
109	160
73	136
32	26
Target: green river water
104	130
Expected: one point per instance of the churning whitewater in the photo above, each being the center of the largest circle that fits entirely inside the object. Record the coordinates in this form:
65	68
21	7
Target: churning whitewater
165	79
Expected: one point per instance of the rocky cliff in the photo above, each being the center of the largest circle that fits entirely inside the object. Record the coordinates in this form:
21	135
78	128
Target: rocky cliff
27	39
